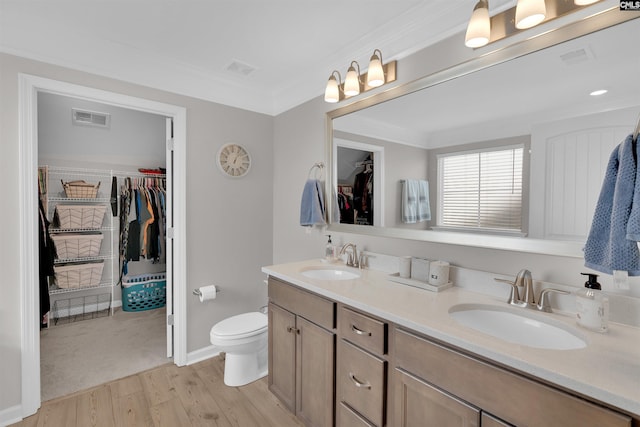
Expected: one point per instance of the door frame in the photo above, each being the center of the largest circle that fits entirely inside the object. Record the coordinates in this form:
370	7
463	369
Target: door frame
28	89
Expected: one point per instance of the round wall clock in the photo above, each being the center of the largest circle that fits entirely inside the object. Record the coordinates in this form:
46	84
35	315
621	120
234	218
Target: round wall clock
234	160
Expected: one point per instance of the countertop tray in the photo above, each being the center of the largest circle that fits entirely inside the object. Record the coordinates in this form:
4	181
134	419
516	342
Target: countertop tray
395	277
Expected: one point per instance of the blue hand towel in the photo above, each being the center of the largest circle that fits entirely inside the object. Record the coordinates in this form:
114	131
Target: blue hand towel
611	244
312	210
415	201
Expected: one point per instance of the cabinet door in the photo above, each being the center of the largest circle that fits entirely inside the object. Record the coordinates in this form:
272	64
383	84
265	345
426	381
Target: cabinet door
315	349
419	404
282	355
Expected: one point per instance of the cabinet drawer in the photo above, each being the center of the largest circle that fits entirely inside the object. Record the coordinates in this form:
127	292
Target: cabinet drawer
361	382
345	417
317	309
362	330
513	398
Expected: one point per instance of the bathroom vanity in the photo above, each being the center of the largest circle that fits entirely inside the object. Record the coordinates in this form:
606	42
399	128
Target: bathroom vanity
369	352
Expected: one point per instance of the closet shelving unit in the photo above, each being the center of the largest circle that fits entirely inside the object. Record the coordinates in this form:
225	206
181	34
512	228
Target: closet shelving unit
78	306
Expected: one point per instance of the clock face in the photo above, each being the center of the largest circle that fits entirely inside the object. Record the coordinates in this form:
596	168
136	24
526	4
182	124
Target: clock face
234	160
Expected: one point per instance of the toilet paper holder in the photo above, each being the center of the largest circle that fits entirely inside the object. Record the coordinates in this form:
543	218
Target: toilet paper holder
197	292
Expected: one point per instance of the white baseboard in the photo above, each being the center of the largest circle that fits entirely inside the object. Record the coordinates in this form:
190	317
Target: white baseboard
11	415
202	354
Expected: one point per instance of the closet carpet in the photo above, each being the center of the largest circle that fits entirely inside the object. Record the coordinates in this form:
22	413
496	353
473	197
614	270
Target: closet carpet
87	353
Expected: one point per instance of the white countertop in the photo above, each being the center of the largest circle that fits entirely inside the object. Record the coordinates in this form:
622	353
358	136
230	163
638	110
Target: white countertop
608	369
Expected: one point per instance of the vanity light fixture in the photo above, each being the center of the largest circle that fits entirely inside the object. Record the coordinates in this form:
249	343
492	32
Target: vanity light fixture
479	28
484	29
377	75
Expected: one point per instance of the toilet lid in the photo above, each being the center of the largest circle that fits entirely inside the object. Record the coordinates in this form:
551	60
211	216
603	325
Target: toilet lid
241	325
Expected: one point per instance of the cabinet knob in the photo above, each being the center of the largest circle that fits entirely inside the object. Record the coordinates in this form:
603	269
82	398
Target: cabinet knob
359	383
291	329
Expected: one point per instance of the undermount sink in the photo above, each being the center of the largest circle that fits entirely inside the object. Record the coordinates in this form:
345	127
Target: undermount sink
329	273
518	326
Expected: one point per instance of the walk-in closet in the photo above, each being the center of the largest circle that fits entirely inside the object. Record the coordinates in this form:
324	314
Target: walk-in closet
103	196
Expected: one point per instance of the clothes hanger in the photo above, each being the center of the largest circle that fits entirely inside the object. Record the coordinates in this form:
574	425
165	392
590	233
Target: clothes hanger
637	131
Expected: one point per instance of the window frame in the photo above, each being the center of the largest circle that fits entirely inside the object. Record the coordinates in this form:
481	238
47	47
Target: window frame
523	142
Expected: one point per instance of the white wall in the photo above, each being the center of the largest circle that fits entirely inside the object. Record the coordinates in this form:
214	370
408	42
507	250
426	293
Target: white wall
228	221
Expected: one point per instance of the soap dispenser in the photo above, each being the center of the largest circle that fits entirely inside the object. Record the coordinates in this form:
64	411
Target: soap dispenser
592	305
330	250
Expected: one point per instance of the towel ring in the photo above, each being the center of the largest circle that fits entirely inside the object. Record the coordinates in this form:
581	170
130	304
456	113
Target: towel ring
318	168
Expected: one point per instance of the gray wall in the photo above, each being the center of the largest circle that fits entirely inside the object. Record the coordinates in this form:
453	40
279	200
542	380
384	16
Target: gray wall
134	138
228	232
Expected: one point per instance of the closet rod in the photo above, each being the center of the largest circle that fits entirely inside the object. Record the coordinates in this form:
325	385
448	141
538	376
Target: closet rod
121	174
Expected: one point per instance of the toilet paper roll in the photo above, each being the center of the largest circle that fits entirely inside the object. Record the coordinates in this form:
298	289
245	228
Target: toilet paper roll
439	273
208	293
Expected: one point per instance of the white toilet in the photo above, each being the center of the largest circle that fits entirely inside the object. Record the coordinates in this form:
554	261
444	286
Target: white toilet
244	340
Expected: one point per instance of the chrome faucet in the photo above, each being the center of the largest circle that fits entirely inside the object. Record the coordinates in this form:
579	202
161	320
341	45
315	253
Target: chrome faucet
525	280
352	257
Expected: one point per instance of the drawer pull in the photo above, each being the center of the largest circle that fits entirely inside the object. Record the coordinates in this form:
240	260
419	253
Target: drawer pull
358	383
359	331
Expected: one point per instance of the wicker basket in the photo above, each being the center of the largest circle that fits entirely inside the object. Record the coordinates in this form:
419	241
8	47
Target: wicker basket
74	245
78	275
80	189
79	216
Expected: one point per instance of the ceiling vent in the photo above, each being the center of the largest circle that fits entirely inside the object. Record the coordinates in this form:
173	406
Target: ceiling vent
577	56
90	118
241	68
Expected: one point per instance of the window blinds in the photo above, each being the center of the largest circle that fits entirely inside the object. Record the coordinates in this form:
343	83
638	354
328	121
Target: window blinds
481	189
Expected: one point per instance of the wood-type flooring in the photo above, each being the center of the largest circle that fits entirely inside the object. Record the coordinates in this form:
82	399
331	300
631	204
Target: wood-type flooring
170	396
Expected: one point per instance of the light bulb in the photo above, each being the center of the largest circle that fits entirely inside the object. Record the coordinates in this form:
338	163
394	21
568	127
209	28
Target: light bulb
530	13
332	91
352	82
479	28
375	74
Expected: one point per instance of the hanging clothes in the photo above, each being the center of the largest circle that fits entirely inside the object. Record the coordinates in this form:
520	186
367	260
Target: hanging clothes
142	221
363	196
47	255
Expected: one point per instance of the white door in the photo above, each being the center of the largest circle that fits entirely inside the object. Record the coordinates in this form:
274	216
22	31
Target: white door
169	235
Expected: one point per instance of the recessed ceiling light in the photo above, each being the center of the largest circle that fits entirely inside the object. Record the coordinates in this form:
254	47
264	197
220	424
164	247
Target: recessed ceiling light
598	92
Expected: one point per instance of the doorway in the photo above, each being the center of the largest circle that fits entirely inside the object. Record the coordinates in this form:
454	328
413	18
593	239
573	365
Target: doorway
29	88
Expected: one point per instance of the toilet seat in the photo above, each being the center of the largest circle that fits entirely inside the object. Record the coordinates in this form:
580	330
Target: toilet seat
240	326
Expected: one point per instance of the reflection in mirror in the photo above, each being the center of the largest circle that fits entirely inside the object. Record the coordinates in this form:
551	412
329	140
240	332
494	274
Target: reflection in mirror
540	99
358	174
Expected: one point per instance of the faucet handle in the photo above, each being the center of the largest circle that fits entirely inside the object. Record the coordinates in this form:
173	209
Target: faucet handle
362	260
514	297
543	304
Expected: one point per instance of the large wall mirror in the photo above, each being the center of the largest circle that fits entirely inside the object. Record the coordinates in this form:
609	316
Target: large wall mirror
525	127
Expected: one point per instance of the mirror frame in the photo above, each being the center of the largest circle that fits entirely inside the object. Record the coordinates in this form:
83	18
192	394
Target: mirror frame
580	27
